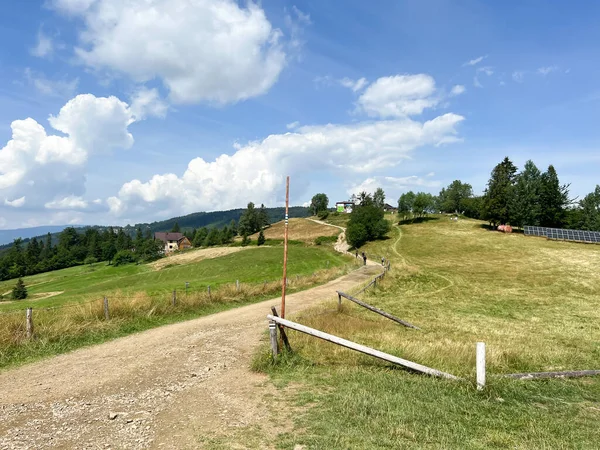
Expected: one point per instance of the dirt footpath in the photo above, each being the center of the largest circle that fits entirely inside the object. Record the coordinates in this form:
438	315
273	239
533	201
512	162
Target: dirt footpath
172	387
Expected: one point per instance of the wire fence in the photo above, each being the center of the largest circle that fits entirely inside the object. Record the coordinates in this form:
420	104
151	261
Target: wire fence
48	323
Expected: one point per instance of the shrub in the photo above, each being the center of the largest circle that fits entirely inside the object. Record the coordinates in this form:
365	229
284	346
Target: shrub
124	257
261	238
19	292
323	214
325	239
90	260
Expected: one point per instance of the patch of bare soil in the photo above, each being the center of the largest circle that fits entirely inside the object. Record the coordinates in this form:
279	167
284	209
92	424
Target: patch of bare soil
38	296
195	256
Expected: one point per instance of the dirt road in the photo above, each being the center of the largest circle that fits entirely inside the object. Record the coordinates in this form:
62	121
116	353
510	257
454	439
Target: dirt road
172	387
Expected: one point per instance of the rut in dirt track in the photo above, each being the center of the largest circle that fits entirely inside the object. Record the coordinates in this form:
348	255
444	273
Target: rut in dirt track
163	388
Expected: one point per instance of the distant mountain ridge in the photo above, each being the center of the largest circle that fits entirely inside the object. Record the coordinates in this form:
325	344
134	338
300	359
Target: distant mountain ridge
7	236
188	222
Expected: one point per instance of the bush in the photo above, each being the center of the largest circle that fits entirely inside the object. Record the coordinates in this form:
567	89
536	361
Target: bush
325	239
323	214
90	260
261	238
356	234
19	292
124	257
367	223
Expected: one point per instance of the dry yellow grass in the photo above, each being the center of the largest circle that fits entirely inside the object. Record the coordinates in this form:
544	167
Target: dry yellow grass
299	230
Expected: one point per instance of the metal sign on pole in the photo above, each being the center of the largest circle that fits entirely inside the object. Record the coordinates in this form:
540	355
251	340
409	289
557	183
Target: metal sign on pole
285	246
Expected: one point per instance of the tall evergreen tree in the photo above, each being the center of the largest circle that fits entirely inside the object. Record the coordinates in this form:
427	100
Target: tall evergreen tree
176	228
233	227
262	218
19	292
499	193
526	204
590	211
554	199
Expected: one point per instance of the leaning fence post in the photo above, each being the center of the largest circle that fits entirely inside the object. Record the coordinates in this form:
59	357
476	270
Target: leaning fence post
29	316
480	365
174	301
106	314
273	334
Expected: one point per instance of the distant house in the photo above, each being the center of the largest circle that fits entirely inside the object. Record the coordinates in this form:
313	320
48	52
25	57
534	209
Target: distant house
345	207
173	241
389	208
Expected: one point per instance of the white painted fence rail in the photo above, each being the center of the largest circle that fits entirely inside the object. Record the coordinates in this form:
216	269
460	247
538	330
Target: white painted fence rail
361	348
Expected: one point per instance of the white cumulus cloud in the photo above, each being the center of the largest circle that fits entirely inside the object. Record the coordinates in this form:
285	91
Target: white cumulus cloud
256	171
49	167
398	96
215	51
518	76
69	202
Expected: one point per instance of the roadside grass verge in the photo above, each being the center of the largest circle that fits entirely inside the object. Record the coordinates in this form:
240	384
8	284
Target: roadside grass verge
536	304
79	324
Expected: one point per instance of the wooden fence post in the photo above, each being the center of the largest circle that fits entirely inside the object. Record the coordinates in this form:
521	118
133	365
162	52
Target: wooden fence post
480	366
237	285
339	301
174	301
209	297
29	316
273	334
265	285
106	314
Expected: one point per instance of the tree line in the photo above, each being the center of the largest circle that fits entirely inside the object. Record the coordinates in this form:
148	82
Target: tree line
76	248
513	197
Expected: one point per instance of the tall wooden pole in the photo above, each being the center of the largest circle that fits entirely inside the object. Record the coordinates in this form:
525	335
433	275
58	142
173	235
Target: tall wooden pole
285	247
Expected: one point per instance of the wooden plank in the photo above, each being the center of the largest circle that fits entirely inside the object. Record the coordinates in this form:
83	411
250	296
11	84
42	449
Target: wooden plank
377	310
480	358
362	348
284	337
538	375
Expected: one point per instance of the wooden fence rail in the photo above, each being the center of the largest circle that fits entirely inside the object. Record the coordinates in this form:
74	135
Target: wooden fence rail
361	348
374	309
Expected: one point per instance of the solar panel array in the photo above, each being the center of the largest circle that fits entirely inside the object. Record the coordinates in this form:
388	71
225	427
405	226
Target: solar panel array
564	235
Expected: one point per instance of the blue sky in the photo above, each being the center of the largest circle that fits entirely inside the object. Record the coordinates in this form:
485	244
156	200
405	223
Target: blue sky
122	111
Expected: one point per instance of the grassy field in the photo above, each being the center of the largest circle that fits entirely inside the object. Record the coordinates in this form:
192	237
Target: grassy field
536	304
68	311
249	266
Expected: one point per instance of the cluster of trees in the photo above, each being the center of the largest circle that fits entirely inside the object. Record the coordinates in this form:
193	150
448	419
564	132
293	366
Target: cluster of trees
251	221
367	222
528	197
75	248
318	205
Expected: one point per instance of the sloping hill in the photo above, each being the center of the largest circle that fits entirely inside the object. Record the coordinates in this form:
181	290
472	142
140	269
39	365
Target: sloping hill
299	230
